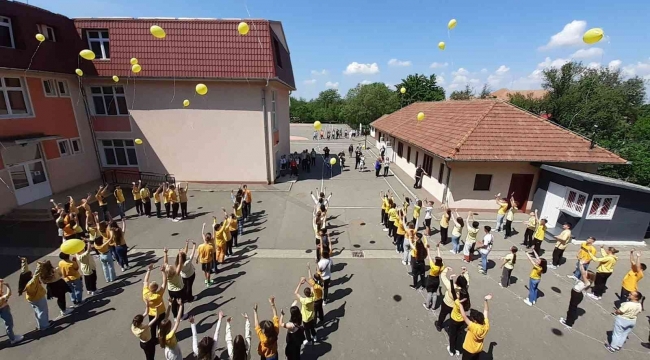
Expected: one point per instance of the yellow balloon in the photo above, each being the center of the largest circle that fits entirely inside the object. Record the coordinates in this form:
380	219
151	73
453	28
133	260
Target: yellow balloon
115	78
186	103
72	246
452	24
157	31
593	36
420	116
243	28
332	161
133	61
441	45
138	141
87	54
40	37
79	72
201	89
317	125
402	90
136	68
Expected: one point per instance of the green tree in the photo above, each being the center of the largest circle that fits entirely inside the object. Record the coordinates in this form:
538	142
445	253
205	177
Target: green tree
466	94
420	88
328	106
366	103
528	102
486	92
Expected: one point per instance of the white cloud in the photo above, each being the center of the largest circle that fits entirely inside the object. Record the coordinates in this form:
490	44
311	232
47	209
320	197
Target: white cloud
319	72
587	53
440	80
614	64
366	82
474	81
570	35
548	63
593	65
356	68
333	85
400	63
459	79
437	65
484	71
460	72
309	82
454	86
493	80
639	69
502	70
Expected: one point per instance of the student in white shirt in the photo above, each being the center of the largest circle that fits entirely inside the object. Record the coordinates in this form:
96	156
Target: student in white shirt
577	295
325	269
428	211
485	246
206	349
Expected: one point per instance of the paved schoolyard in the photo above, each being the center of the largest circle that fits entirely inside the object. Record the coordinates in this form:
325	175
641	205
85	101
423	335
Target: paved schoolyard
373	314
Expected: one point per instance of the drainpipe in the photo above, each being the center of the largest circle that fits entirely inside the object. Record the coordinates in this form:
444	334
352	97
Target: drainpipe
266	138
444	194
93	136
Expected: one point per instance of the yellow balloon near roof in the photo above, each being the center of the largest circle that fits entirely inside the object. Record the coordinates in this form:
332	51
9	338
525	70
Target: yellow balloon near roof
138	141
157	32
40	37
133	61
115	78
186	103
79	72
441	45
72	246
452	24
420	116
243	28
136	68
87	54
201	89
593	36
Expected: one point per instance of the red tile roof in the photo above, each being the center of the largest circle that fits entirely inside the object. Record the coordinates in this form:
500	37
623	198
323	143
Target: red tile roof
193	48
489	130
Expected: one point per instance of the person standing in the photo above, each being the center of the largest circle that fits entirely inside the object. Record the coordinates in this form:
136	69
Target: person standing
248	198
418	254
156	200
540	233
484	248
167	336
632	278
88	269
173	200
30	285
444	223
386	166
377	167
470	241
145	197
451	284
461	299
419	173
188	273
142	331
267	332
240	348
428	215
478	326
456	233
316	283
206	255
152	294
604	271
295	332
70	273
531	225
313	156
382	151
55	284
561	242
174	285
350	149
385	204
119	198
501	213
433	280
539	268
166	200
587	250
416	213
118	237
325	271
357	159
625	320
100	196
577	295
508	265
5	313
136	197
307	312
510	217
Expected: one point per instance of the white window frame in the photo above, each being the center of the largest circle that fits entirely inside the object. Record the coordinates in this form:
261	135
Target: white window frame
103	154
115	96
610	213
53	87
101	40
274	120
23	89
79	145
43	29
67	145
66	93
11	30
570	210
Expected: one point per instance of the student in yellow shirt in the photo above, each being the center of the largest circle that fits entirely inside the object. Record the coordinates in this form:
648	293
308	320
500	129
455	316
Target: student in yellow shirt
119	198
416	214
561	243
604	271
173	200
632	278
539	268
456	233
220	239
400	231
478	326
167	334
385	206
30	285
206	255
444	224
248	197
392	215
267	332
117	236
461	299
531	225
433	280
237	206
540	233
156	200
102	244
232	226
508	265
503	208
70	271
101	195
135	190
316	283
166	195
145	197
587	249
5	313
182	194
510	217
307	311
152	294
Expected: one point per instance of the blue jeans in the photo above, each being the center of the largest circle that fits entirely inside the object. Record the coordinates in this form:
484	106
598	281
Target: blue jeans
532	289
77	288
5	315
122	256
455	243
41	313
484	261
500	222
577	273
120	210
107	267
622	328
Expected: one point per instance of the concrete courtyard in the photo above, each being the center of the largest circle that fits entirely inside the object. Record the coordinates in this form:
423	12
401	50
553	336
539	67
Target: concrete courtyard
373	313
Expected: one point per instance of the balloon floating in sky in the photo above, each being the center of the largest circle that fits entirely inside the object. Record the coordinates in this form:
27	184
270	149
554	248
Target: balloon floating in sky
593	36
201	89
40	37
452	24
136	68
317	125
332	161
87	54
420	116
133	61
441	45
115	78
72	246
138	141
157	32
79	72
243	28
186	103
402	90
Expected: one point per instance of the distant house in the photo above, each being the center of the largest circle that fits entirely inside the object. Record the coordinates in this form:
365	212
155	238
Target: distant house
474	149
504	94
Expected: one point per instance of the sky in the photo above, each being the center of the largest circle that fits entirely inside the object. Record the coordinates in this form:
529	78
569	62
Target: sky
338	44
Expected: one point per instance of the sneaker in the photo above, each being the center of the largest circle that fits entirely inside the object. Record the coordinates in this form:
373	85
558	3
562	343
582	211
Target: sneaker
90	293
527	302
449	351
563	321
403	262
500	285
452	251
552	266
305	342
572	277
425	306
465	261
66	312
457	353
480	271
175	220
122	269
610	348
385	229
592	296
17	339
205	281
437	325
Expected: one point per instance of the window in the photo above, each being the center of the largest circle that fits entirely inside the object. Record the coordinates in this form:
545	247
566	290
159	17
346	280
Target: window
408	154
278	58
427	164
109	100
416	158
49	88
400	149
6	33
441	172
76	145
379	136
273	119
602	207
13	97
64	147
62	86
482	182
574	202
118	153
98	43
47	31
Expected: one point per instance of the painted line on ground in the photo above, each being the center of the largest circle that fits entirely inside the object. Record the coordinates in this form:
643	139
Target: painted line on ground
261	190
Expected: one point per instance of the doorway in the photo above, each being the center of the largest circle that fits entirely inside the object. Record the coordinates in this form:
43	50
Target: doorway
27	172
520	185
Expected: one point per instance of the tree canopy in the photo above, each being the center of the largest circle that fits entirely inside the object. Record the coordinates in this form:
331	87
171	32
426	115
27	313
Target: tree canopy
420	88
366	103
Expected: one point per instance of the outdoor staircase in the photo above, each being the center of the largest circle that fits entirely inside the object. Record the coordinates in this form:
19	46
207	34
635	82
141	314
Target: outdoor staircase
27	215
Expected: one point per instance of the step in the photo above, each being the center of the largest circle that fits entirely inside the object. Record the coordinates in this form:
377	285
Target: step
39	215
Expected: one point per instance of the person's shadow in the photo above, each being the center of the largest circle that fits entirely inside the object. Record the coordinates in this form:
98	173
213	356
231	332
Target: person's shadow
489	355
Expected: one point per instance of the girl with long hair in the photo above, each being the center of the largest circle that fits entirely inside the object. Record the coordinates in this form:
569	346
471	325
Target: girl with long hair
69	268
418	254
295	332
470	240
452	284
433	280
206	255
237	208
117	236
30	285
456	233
142	331
444	223
267	332
152	294
408	242
604	271
167	335
416	213
392	215
461	299
174	284
206	349
88	269
400	231
188	273
385	206
182	195
55	285
102	244
539	268
577	295
507	265
625	320
240	347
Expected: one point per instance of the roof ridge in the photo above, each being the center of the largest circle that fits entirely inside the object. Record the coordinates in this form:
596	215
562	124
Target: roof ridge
471	130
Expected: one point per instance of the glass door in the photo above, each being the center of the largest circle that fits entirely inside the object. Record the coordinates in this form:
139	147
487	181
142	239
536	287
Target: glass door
30	181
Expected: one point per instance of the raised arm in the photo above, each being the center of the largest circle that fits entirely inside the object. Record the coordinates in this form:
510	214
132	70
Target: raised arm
536	218
145	282
165	262
530	258
195	340
164	282
216	335
123	226
313	198
636	266
177	321
193	253
203	232
273	308
297	291
487	298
